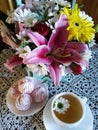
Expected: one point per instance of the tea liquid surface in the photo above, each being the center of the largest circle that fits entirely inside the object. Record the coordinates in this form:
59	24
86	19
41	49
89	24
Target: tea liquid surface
73	113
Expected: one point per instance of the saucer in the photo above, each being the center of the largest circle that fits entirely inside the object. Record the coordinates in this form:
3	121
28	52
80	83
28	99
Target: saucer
35	107
50	124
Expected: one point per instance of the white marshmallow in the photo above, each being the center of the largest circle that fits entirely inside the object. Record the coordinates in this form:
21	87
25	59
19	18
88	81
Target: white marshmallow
23	102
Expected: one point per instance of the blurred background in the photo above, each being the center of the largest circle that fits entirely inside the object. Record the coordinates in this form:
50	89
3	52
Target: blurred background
6	5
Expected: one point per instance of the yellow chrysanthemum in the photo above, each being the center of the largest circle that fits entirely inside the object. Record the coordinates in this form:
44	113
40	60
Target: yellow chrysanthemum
79	29
66	11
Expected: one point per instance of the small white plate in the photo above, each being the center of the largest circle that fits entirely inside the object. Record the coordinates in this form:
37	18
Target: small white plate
35	107
50	124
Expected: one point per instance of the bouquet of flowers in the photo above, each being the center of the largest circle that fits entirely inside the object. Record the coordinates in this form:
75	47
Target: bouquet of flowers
50	38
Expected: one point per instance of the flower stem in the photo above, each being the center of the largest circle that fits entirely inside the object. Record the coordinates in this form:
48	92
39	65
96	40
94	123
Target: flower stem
29	73
73	4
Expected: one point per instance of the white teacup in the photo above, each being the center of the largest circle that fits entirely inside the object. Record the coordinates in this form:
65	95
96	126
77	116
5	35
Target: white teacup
74	109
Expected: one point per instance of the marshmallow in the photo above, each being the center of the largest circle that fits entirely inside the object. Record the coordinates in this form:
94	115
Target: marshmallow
27	87
13	92
39	94
23	102
21	81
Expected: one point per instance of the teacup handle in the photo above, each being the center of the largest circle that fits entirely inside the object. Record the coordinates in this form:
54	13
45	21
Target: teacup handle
84	100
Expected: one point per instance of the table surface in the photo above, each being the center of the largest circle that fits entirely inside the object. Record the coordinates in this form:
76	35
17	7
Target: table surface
85	84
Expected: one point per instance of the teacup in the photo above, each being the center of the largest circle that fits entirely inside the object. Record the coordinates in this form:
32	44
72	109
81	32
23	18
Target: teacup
68	109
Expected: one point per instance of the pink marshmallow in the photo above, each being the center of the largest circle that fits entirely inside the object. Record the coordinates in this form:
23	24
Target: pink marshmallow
39	94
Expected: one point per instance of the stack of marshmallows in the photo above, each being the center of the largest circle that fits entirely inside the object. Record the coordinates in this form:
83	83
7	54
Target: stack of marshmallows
26	91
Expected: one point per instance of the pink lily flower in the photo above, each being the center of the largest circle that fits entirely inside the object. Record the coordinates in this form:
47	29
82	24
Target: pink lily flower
57	51
36	38
55	72
12	62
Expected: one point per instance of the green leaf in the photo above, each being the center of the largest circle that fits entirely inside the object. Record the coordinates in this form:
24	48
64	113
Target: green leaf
14	39
29	73
96	27
23	44
46	78
45	16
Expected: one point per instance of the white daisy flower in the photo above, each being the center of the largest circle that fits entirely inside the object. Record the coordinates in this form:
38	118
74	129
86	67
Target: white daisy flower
43	5
83	15
63	3
22	36
39	69
25	16
54	19
65	70
87	55
92	43
23	51
61	105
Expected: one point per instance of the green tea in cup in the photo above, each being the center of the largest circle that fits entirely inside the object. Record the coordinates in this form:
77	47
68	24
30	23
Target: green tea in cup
68	109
